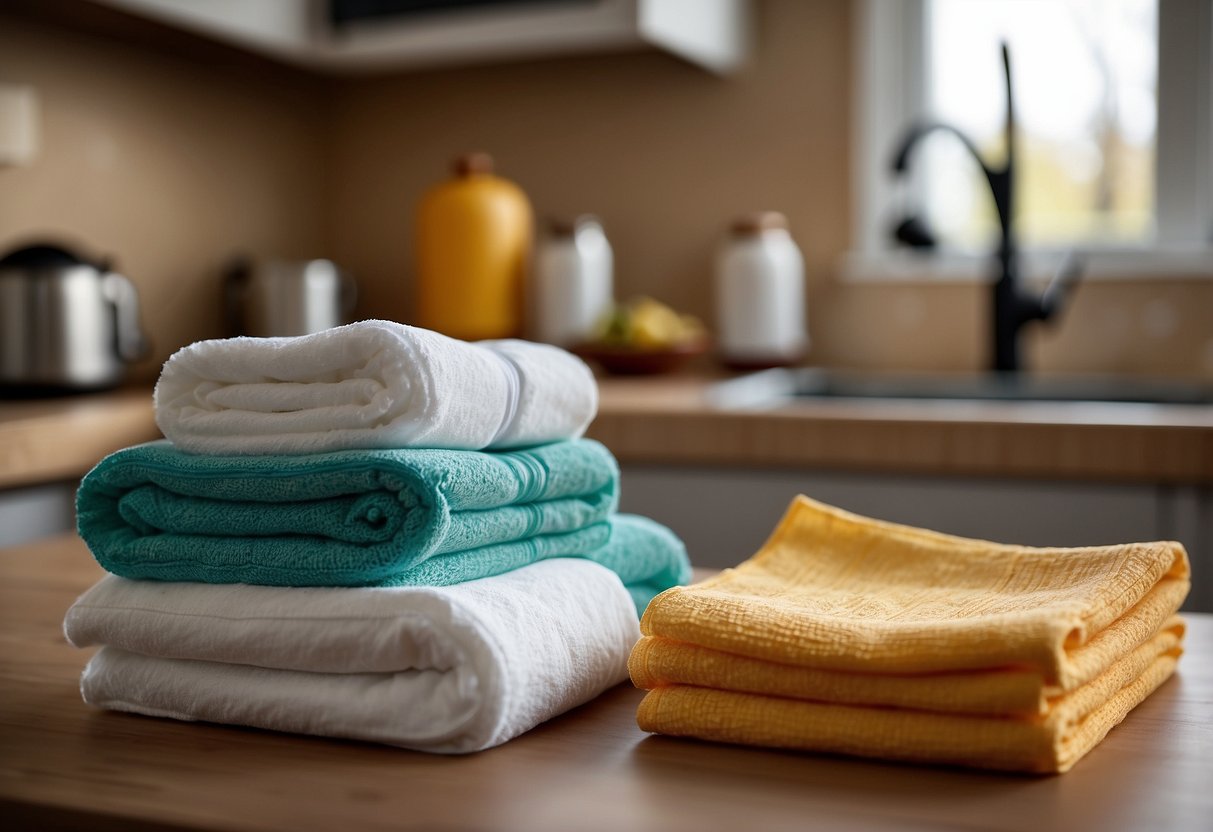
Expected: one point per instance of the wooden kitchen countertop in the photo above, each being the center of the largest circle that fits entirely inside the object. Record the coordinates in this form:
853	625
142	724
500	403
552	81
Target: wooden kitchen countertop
64	765
675	420
47	440
678	420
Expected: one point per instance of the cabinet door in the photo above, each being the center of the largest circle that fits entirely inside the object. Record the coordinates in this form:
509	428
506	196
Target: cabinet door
1188	517
36	511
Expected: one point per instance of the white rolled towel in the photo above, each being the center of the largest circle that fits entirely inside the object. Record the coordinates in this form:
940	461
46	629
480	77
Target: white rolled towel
447	669
371	384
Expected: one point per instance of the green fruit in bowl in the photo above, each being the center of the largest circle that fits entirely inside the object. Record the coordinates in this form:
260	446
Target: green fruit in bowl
615	329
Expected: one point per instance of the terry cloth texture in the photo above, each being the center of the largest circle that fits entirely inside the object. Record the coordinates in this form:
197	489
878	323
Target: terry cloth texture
371	384
967	646
354	518
446	669
343	518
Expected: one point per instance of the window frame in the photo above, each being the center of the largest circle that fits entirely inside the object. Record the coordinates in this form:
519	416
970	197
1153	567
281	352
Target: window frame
889	93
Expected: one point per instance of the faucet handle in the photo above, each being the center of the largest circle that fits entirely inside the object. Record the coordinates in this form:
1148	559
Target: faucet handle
1062	285
914	232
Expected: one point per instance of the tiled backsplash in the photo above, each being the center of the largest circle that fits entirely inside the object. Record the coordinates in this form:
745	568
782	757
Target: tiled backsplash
164	164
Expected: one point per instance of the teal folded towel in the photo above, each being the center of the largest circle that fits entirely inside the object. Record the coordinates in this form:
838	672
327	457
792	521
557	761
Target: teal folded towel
344	518
647	557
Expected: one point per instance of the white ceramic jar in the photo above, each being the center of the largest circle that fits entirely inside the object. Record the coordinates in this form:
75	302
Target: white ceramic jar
573	286
760	312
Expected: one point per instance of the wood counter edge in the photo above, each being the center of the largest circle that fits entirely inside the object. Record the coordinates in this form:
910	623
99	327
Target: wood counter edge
61	439
669	422
676	421
1157	454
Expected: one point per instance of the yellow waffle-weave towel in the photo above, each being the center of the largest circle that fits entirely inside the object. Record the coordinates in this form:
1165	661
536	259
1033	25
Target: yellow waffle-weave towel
1070	727
841	609
1009	691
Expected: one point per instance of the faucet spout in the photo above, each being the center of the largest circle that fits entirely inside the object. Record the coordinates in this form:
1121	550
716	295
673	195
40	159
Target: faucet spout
999	179
1011	308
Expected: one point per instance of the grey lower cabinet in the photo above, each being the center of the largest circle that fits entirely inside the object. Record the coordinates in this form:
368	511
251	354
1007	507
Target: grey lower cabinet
724	514
35	511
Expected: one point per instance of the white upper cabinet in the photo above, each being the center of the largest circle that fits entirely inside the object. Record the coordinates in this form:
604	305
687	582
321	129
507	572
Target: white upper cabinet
341	36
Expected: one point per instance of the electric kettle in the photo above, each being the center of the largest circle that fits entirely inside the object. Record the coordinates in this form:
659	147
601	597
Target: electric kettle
65	323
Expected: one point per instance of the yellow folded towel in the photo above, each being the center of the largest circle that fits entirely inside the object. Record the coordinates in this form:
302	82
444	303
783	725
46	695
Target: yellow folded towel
1010	691
1071	726
1010	657
837	591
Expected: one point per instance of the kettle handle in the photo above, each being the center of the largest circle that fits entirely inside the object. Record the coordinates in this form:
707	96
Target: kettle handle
132	345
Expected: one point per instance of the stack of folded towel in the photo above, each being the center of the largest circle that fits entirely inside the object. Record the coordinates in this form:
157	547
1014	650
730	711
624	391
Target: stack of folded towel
854	636
374	532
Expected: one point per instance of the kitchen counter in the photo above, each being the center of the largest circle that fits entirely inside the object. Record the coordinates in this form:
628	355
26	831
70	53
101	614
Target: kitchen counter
678	420
48	440
674	419
65	765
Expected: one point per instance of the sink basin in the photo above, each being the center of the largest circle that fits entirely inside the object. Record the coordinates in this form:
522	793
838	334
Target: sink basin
818	383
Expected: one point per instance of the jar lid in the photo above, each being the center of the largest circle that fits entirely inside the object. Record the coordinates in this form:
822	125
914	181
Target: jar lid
565	227
476	162
749	225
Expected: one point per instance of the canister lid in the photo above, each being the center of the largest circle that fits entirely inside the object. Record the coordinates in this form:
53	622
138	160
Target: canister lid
758	222
476	162
565	227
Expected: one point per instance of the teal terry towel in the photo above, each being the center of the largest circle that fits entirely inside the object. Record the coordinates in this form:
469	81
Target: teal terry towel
345	518
647	557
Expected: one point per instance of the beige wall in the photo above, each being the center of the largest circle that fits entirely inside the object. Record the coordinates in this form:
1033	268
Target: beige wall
663	152
172	165
1149	326
167	163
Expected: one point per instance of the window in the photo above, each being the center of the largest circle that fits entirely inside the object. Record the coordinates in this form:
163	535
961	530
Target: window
1114	122
1085	107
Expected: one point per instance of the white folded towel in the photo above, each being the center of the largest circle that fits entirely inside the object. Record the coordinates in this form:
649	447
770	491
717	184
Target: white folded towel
371	384
448	669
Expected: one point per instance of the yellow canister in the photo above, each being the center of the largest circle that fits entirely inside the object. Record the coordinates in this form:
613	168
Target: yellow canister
473	244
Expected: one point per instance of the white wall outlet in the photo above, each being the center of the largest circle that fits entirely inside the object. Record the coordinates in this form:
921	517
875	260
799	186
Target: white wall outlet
18	124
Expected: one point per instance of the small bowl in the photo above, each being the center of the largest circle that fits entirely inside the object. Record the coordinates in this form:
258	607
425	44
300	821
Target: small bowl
633	361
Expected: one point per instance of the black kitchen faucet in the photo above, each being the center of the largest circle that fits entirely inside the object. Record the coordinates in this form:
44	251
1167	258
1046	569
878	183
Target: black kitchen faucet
1012	308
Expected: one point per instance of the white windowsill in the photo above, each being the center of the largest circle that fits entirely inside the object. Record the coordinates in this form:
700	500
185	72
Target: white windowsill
909	267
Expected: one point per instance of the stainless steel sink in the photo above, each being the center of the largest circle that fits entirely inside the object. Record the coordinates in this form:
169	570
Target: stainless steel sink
774	385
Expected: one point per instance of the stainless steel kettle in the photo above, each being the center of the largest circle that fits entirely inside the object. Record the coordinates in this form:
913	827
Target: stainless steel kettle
282	297
65	323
